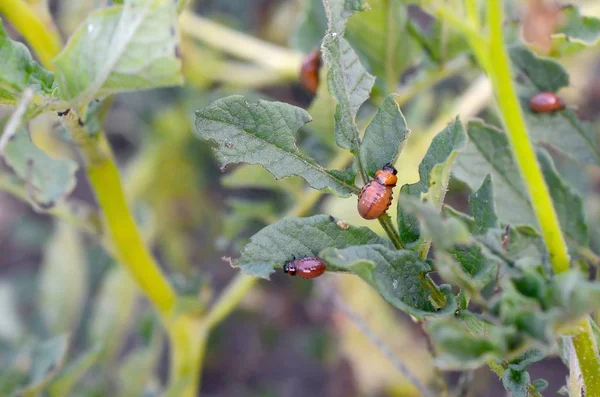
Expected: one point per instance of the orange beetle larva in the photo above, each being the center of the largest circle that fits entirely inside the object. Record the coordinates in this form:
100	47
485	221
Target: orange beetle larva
545	102
309	73
308	267
376	196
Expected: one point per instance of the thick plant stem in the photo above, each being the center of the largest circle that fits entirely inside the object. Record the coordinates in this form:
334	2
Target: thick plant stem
125	238
188	337
131	252
128	244
587	355
44	41
501	77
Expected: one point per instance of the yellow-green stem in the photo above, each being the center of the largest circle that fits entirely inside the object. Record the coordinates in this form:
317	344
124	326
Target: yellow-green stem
188	337
44	41
386	223
128	244
501	77
586	349
229	299
125	238
131	252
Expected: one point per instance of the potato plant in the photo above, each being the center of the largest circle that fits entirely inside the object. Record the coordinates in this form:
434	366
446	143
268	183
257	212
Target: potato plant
505	281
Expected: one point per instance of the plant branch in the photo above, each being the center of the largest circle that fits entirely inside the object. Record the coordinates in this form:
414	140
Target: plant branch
386	223
282	60
44	41
229	299
126	240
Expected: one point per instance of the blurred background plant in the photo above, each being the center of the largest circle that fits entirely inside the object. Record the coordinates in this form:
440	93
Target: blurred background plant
73	322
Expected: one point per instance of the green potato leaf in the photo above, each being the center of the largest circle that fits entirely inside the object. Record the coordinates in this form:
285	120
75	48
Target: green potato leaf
384	137
278	243
516	382
350	84
488	153
264	133
120	48
483	207
347	79
432	185
567	201
396	274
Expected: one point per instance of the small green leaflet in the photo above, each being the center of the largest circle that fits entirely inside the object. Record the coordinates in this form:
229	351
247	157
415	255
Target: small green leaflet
48	179
350	84
432	185
385	136
483	207
396	274
120	48
348	81
516	382
264	133
567	201
299	237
